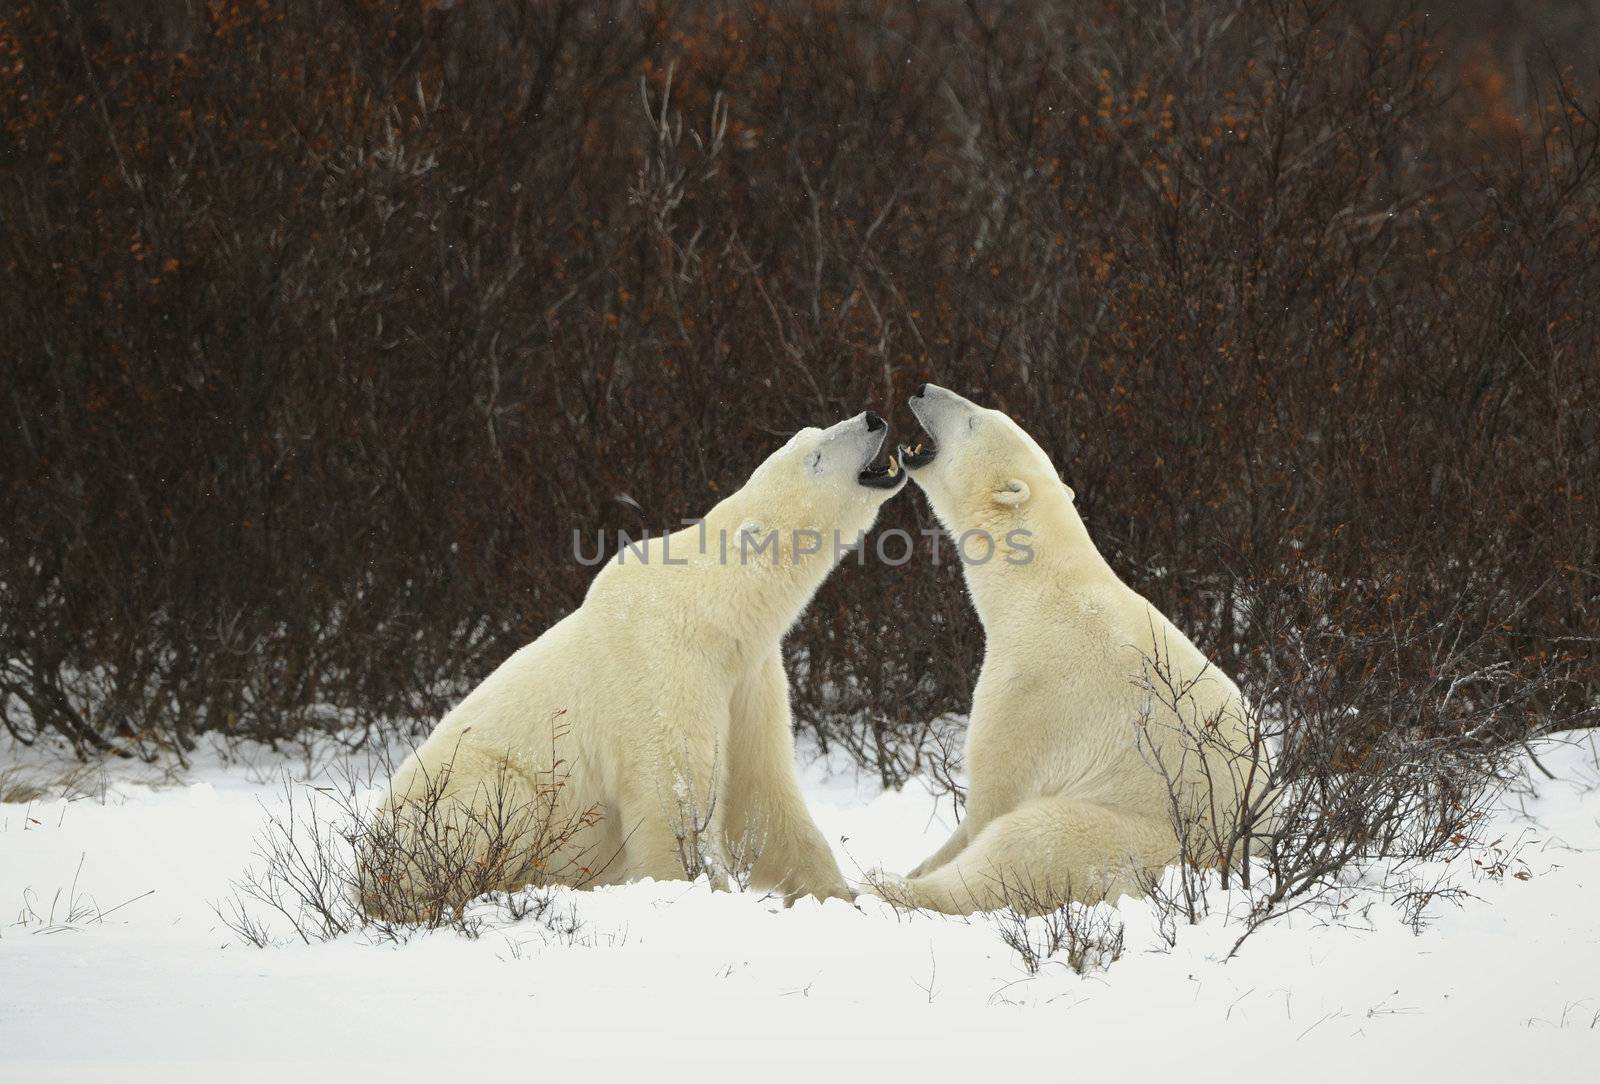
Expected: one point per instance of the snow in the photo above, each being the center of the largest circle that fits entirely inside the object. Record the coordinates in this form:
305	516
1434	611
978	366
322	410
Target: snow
135	977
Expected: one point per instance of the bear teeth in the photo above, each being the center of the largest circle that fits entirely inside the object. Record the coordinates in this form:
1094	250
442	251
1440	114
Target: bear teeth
894	465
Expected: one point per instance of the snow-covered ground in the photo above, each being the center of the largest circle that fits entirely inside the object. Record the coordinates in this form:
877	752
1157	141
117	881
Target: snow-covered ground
114	966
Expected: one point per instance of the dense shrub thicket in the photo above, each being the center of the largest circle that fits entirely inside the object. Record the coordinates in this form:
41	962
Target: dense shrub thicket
326	324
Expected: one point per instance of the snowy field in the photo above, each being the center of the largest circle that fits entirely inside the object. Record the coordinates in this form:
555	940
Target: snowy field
113	965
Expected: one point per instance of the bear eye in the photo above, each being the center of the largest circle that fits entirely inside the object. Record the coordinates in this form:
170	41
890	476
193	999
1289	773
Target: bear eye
814	460
972	422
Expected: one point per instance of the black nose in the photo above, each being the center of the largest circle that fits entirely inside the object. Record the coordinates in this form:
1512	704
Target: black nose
922	389
874	423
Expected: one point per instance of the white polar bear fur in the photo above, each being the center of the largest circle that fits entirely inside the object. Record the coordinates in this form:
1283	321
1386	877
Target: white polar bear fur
662	699
1065	797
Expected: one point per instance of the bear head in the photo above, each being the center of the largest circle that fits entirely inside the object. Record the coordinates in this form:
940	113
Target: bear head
981	471
827	484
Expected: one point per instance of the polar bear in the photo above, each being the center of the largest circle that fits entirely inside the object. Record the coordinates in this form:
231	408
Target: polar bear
650	729
1089	701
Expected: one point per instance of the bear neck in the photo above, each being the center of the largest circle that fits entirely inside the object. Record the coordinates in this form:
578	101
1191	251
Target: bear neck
760	599
1063	555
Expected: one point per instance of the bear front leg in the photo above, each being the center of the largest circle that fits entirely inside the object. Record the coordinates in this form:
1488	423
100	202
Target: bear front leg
767	830
670	802
949	850
996	784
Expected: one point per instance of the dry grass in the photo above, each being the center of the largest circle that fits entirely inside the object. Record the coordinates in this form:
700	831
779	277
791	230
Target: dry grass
74	780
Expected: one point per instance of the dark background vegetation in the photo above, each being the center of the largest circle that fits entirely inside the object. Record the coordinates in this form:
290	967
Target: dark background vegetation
325	325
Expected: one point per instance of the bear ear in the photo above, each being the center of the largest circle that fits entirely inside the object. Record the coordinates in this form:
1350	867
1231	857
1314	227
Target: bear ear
1071	496
1013	493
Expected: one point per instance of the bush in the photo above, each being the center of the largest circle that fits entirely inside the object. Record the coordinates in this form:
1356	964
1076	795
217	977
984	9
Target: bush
1378	754
328	325
1086	938
328	865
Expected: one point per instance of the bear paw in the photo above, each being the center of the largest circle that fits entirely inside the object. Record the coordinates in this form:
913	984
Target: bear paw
836	891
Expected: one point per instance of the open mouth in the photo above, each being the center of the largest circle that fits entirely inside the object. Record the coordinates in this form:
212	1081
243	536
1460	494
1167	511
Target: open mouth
882	471
920	454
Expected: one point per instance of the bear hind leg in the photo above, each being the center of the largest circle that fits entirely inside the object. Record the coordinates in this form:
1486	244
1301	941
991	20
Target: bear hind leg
462	825
1040	855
